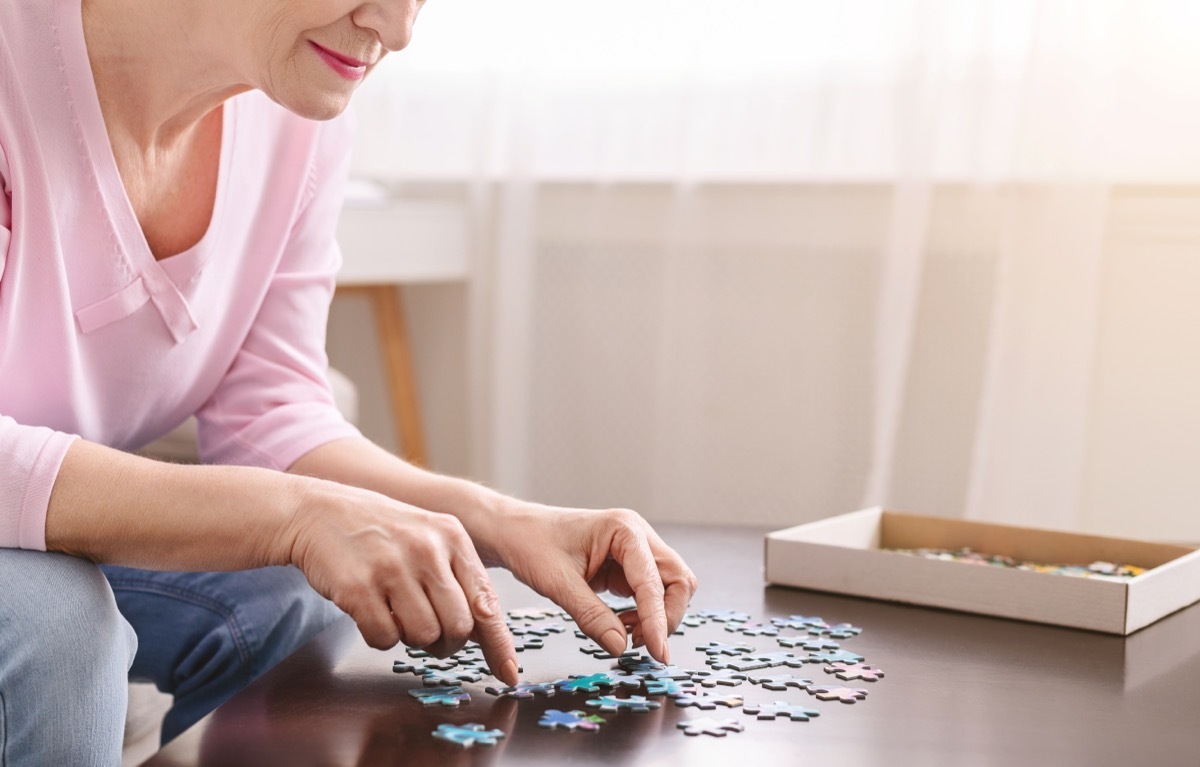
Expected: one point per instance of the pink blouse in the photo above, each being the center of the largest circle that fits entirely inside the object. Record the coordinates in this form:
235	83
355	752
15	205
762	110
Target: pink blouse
98	339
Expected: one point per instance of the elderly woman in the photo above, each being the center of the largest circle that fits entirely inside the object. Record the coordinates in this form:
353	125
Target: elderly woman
171	176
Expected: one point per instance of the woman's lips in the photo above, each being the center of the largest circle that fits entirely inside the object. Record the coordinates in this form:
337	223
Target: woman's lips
350	69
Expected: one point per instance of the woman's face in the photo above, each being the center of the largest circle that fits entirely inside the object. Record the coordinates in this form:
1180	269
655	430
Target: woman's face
310	55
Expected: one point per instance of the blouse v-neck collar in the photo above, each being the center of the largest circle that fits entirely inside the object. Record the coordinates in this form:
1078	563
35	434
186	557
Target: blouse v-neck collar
159	282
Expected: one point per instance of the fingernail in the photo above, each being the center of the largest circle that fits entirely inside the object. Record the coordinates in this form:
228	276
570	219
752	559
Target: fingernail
613	641
510	671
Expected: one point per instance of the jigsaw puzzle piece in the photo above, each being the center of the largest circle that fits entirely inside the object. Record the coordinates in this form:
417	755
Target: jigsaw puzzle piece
707	702
708	726
441	696
782	708
635	703
523	690
781	682
570	720
585	683
467	735
838	692
850	671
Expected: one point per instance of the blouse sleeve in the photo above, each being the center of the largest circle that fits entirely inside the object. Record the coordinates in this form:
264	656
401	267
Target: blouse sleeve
275	403
30	456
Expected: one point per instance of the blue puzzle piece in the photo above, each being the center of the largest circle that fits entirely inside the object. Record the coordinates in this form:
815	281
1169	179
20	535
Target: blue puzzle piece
570	720
443	696
782	708
588	683
468	735
435	678
636	703
669	687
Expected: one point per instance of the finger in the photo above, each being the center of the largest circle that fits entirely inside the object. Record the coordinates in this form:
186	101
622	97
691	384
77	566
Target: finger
418	623
453	615
593	617
632	550
375	622
680	581
677	599
489	628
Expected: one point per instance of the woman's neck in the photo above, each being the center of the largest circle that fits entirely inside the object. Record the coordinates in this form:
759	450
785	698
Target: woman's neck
156	70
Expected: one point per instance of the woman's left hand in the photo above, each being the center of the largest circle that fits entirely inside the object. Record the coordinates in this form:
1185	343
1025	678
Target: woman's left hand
568	555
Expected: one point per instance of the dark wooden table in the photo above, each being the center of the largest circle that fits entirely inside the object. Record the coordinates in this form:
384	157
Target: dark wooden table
959	689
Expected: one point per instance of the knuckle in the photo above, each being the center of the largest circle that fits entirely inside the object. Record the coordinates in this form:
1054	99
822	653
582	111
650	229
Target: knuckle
593	614
422	635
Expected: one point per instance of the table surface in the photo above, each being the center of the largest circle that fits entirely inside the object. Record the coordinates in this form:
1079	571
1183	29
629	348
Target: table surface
959	689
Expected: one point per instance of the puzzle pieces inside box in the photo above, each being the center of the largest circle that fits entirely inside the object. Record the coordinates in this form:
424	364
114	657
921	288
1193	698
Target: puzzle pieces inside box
708	726
554	719
635	703
848	671
838	692
441	696
467	735
781	708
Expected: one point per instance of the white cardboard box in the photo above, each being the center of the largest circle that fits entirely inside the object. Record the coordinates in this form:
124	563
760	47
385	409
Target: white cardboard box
847	555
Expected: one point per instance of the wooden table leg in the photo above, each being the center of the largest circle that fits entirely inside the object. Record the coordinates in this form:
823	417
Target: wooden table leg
396	358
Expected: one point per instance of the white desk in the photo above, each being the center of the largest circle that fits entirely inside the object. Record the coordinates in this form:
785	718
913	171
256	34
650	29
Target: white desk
387	243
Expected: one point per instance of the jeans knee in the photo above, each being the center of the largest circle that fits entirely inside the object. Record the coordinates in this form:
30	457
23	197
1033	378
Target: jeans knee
65	653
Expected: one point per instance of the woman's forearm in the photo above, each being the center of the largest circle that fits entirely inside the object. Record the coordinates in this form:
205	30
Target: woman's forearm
113	507
361	463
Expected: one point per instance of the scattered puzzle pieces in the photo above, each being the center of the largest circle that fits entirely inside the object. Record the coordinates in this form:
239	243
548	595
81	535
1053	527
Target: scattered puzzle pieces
691	620
721	648
725	616
523	690
443	696
708	726
707	702
444	678
835	656
536	614
714	678
533	629
599	653
838	692
798	622
668	687
809	643
838	631
636	703
781	682
762	660
554	719
420	669
528	643
850	671
467	735
588	683
782	708
753	629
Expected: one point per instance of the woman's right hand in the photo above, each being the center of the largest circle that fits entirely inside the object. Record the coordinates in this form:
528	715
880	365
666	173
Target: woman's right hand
402	573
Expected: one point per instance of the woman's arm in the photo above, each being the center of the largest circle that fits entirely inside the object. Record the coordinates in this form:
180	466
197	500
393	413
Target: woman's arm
401	572
565	554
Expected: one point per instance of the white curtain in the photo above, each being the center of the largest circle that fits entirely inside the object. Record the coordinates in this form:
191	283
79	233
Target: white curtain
777	260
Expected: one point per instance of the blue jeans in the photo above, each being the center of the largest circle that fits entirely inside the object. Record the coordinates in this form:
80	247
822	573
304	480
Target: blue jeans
68	647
